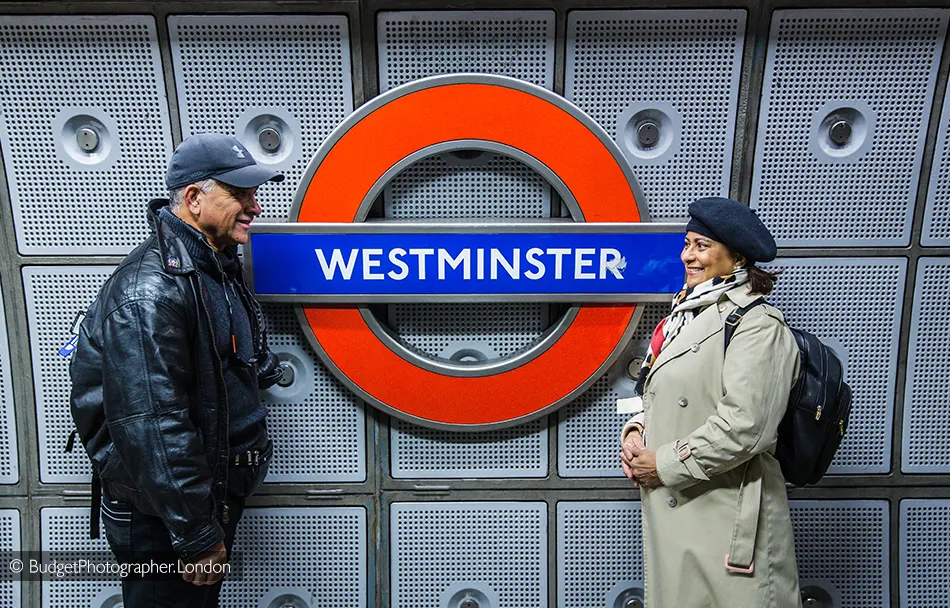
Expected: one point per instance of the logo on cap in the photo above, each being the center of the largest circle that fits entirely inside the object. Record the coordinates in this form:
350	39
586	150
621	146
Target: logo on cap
240	152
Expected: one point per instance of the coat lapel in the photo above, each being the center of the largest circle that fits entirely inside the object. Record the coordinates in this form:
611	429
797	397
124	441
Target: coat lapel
708	323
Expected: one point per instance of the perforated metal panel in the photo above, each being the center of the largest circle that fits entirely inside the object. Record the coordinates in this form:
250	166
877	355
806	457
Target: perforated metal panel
321	549
239	75
318	426
484	185
589	427
11	588
599	553
854	305
926	400
520	451
936	229
9	461
491	550
416	44
59	76
925	553
54	295
678	69
842	548
64	535
874	69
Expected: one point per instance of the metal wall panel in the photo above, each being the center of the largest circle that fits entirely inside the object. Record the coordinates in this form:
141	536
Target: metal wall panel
288	73
926	399
289	555
924	553
98	79
64	536
318	426
874	70
599	554
588	432
494	553
9	459
936	231
854	305
54	296
520	451
677	70
11	588
843	548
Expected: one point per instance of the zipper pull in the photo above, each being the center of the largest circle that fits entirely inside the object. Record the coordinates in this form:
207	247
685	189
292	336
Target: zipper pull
841	428
225	513
818	413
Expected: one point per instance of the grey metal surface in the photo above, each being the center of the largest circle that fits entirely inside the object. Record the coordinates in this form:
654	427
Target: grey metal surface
926	399
843	549
54	295
516	452
415	44
318	427
924	553
678	69
59	75
496	550
320	549
64	536
936	228
810	192
11	542
599	553
291	73
855	306
9	458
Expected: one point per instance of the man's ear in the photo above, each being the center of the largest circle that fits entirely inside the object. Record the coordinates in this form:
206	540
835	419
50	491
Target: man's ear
191	198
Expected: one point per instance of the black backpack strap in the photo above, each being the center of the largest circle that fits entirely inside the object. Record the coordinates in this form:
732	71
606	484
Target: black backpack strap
735	317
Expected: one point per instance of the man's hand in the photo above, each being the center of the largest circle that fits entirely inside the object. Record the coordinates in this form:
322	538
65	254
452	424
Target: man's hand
643	468
207	569
632	447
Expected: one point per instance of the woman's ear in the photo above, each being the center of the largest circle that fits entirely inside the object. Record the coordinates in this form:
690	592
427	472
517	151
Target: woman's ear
740	261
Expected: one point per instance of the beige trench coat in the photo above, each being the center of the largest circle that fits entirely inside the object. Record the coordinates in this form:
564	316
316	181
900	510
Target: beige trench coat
718	533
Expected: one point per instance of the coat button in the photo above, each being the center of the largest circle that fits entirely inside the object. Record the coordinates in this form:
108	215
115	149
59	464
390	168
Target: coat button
683	402
671	501
694	348
722	308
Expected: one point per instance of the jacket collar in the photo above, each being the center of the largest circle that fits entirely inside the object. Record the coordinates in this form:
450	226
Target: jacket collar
175	258
708	323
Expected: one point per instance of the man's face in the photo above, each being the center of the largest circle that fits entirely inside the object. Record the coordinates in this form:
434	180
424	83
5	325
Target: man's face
226	214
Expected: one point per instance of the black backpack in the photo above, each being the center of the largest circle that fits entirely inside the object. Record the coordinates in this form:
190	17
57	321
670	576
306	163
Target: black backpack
819	406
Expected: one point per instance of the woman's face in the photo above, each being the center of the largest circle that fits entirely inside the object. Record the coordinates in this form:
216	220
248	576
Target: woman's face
705	259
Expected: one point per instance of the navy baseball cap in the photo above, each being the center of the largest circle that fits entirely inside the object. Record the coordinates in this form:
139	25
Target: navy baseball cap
217	156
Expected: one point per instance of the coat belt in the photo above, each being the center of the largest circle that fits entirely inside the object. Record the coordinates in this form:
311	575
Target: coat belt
742	548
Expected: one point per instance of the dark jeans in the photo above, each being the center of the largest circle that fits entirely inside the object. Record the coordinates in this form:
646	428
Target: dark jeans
138	538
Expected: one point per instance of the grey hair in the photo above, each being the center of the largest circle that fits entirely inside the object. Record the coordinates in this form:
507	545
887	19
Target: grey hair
175	196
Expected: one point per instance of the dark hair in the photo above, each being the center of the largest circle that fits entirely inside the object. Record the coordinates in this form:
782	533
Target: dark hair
761	281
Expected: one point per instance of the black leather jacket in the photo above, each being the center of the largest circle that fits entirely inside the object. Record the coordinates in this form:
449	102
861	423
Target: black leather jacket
148	394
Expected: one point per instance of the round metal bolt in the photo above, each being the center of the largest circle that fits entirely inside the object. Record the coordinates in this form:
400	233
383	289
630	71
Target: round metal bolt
468	603
840	132
633	368
88	139
648	133
286	375
269	138
633	602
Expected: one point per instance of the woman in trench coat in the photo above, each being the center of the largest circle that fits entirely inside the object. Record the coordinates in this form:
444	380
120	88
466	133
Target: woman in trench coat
716	525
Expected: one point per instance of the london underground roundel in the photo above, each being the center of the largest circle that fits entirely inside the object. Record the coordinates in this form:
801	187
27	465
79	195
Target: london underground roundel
333	262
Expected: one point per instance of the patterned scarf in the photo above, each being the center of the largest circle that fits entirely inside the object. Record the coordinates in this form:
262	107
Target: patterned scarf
687	304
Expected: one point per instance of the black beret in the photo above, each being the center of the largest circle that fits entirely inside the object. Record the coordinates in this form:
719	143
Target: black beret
734	225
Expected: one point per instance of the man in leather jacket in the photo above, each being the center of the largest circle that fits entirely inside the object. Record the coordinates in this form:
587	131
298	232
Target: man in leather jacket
165	380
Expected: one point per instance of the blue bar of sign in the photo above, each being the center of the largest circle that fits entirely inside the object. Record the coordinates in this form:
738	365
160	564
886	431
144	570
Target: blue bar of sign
433	263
